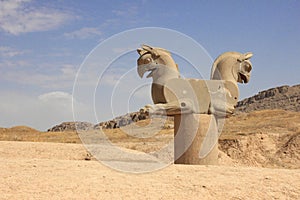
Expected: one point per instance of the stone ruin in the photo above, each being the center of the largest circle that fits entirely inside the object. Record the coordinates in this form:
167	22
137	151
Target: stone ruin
198	106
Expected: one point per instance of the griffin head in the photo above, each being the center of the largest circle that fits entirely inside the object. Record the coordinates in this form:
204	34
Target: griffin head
157	61
232	66
245	67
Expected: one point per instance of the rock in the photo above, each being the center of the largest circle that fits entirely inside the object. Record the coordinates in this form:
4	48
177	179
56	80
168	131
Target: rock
284	97
124	120
71	126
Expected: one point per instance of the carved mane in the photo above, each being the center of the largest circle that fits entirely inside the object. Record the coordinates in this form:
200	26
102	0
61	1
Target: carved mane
232	66
220	58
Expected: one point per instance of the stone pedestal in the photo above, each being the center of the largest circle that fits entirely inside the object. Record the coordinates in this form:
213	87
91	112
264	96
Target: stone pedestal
196	139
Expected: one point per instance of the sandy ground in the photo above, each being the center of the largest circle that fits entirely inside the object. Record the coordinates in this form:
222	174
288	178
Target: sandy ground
59	171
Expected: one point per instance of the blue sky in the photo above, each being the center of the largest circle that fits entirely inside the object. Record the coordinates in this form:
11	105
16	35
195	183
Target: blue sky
44	43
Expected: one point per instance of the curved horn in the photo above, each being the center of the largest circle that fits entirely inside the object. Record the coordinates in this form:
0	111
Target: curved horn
248	55
150	49
140	51
245	56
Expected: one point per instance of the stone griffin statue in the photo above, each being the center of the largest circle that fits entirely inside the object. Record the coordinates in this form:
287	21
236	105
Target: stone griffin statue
173	95
198	106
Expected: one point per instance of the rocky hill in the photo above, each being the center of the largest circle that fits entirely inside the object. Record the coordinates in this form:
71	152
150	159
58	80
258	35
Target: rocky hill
71	126
111	124
284	98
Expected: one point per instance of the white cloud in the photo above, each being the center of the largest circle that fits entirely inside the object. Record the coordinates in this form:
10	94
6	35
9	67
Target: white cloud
110	79
84	33
114	75
125	93
63	79
16	18
128	12
68	71
142	92
61	98
9	52
39	112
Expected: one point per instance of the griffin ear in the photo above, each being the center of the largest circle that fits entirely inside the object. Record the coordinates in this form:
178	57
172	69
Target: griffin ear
147	47
150	50
245	56
140	51
248	55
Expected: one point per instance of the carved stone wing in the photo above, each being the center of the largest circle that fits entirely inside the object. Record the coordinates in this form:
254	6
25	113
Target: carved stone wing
202	96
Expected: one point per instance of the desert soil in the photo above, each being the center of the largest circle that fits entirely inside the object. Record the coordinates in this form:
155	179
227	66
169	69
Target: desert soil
259	159
59	171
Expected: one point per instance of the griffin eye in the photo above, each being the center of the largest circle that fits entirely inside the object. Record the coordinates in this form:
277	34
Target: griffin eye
248	68
147	60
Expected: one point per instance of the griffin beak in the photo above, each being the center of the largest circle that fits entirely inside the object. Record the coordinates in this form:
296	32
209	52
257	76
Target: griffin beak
142	69
243	78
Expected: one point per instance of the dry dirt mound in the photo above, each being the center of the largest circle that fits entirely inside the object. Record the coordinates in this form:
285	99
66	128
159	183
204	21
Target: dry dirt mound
290	151
24	133
267	138
17	133
259	150
21	129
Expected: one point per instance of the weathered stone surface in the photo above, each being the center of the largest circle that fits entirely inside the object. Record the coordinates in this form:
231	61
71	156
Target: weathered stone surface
196	139
117	122
173	95
185	99
71	126
124	120
284	97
